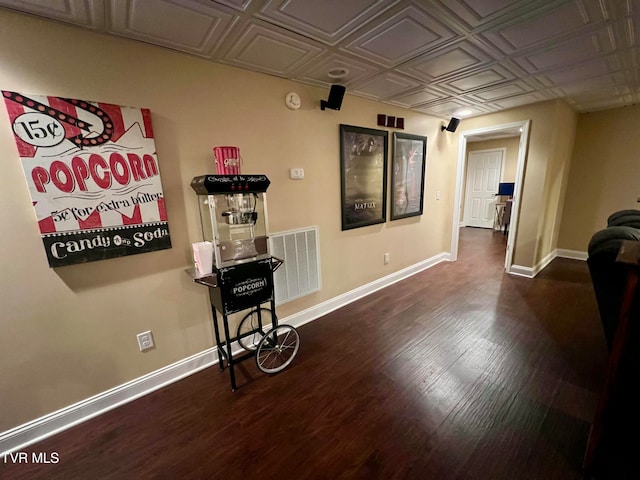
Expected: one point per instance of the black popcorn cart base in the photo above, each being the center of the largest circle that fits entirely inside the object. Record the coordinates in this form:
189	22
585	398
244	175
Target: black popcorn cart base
234	225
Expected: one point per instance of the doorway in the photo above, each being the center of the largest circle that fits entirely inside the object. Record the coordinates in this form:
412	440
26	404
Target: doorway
520	129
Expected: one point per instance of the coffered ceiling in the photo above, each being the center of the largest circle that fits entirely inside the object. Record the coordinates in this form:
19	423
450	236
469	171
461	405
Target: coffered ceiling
434	56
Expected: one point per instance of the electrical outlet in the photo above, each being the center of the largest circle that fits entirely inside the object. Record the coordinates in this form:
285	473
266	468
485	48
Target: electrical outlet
437	194
386	258
296	173
145	340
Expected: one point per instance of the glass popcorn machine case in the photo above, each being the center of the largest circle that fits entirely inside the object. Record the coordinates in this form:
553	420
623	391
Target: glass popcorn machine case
233	214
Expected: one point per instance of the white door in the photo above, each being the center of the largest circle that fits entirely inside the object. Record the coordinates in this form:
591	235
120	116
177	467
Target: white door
484	170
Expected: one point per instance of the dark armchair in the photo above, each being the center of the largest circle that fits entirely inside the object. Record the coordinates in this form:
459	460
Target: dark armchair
609	277
619	415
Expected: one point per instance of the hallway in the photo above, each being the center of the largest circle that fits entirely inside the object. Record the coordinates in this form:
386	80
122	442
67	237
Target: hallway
458	372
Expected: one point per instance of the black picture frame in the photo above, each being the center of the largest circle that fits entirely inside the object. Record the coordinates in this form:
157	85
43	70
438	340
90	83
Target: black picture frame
363	173
408	175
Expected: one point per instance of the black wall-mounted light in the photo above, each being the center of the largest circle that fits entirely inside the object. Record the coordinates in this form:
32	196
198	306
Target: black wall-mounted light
453	124
334	102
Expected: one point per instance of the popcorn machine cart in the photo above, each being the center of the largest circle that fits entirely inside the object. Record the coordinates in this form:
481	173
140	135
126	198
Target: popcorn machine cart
233	214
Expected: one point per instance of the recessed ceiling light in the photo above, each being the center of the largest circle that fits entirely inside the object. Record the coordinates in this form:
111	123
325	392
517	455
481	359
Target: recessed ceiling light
338	73
464	113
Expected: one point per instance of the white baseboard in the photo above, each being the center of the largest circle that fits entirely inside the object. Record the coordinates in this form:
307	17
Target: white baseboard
521	271
544	262
571	254
48	425
559	252
56	422
328	306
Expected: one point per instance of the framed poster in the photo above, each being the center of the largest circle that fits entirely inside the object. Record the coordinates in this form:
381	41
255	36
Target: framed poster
363	169
407	178
93	176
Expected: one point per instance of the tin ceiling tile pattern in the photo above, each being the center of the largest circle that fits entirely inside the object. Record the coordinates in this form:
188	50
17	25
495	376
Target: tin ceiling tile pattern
482	9
569	53
78	12
184	26
546	29
520	100
420	97
327	21
593	68
434	66
469	82
501	92
386	85
320	73
401	36
430	55
263	49
241	5
614	83
443	109
477	15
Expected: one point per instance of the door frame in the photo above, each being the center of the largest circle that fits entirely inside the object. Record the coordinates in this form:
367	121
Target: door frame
463	221
523	128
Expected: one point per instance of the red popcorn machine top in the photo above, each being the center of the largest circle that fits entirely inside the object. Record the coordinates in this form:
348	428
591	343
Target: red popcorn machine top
239	270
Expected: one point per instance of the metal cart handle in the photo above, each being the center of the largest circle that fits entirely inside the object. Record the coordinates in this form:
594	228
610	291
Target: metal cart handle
275	263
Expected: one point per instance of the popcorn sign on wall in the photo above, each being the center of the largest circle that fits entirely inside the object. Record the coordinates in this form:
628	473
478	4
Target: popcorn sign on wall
93	176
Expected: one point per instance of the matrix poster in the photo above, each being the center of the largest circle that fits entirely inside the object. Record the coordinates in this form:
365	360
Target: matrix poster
363	172
93	176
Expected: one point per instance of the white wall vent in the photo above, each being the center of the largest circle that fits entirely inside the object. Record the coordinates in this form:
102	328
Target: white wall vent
300	274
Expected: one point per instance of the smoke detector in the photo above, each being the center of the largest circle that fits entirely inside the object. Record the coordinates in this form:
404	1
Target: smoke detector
338	73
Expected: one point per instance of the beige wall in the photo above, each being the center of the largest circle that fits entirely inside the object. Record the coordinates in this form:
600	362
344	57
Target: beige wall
511	146
556	179
604	174
69	333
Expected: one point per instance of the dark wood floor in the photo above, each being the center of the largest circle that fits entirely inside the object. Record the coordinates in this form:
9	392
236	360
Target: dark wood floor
459	372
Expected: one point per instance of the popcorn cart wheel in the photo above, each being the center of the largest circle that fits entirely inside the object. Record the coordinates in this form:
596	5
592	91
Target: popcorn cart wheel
275	349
